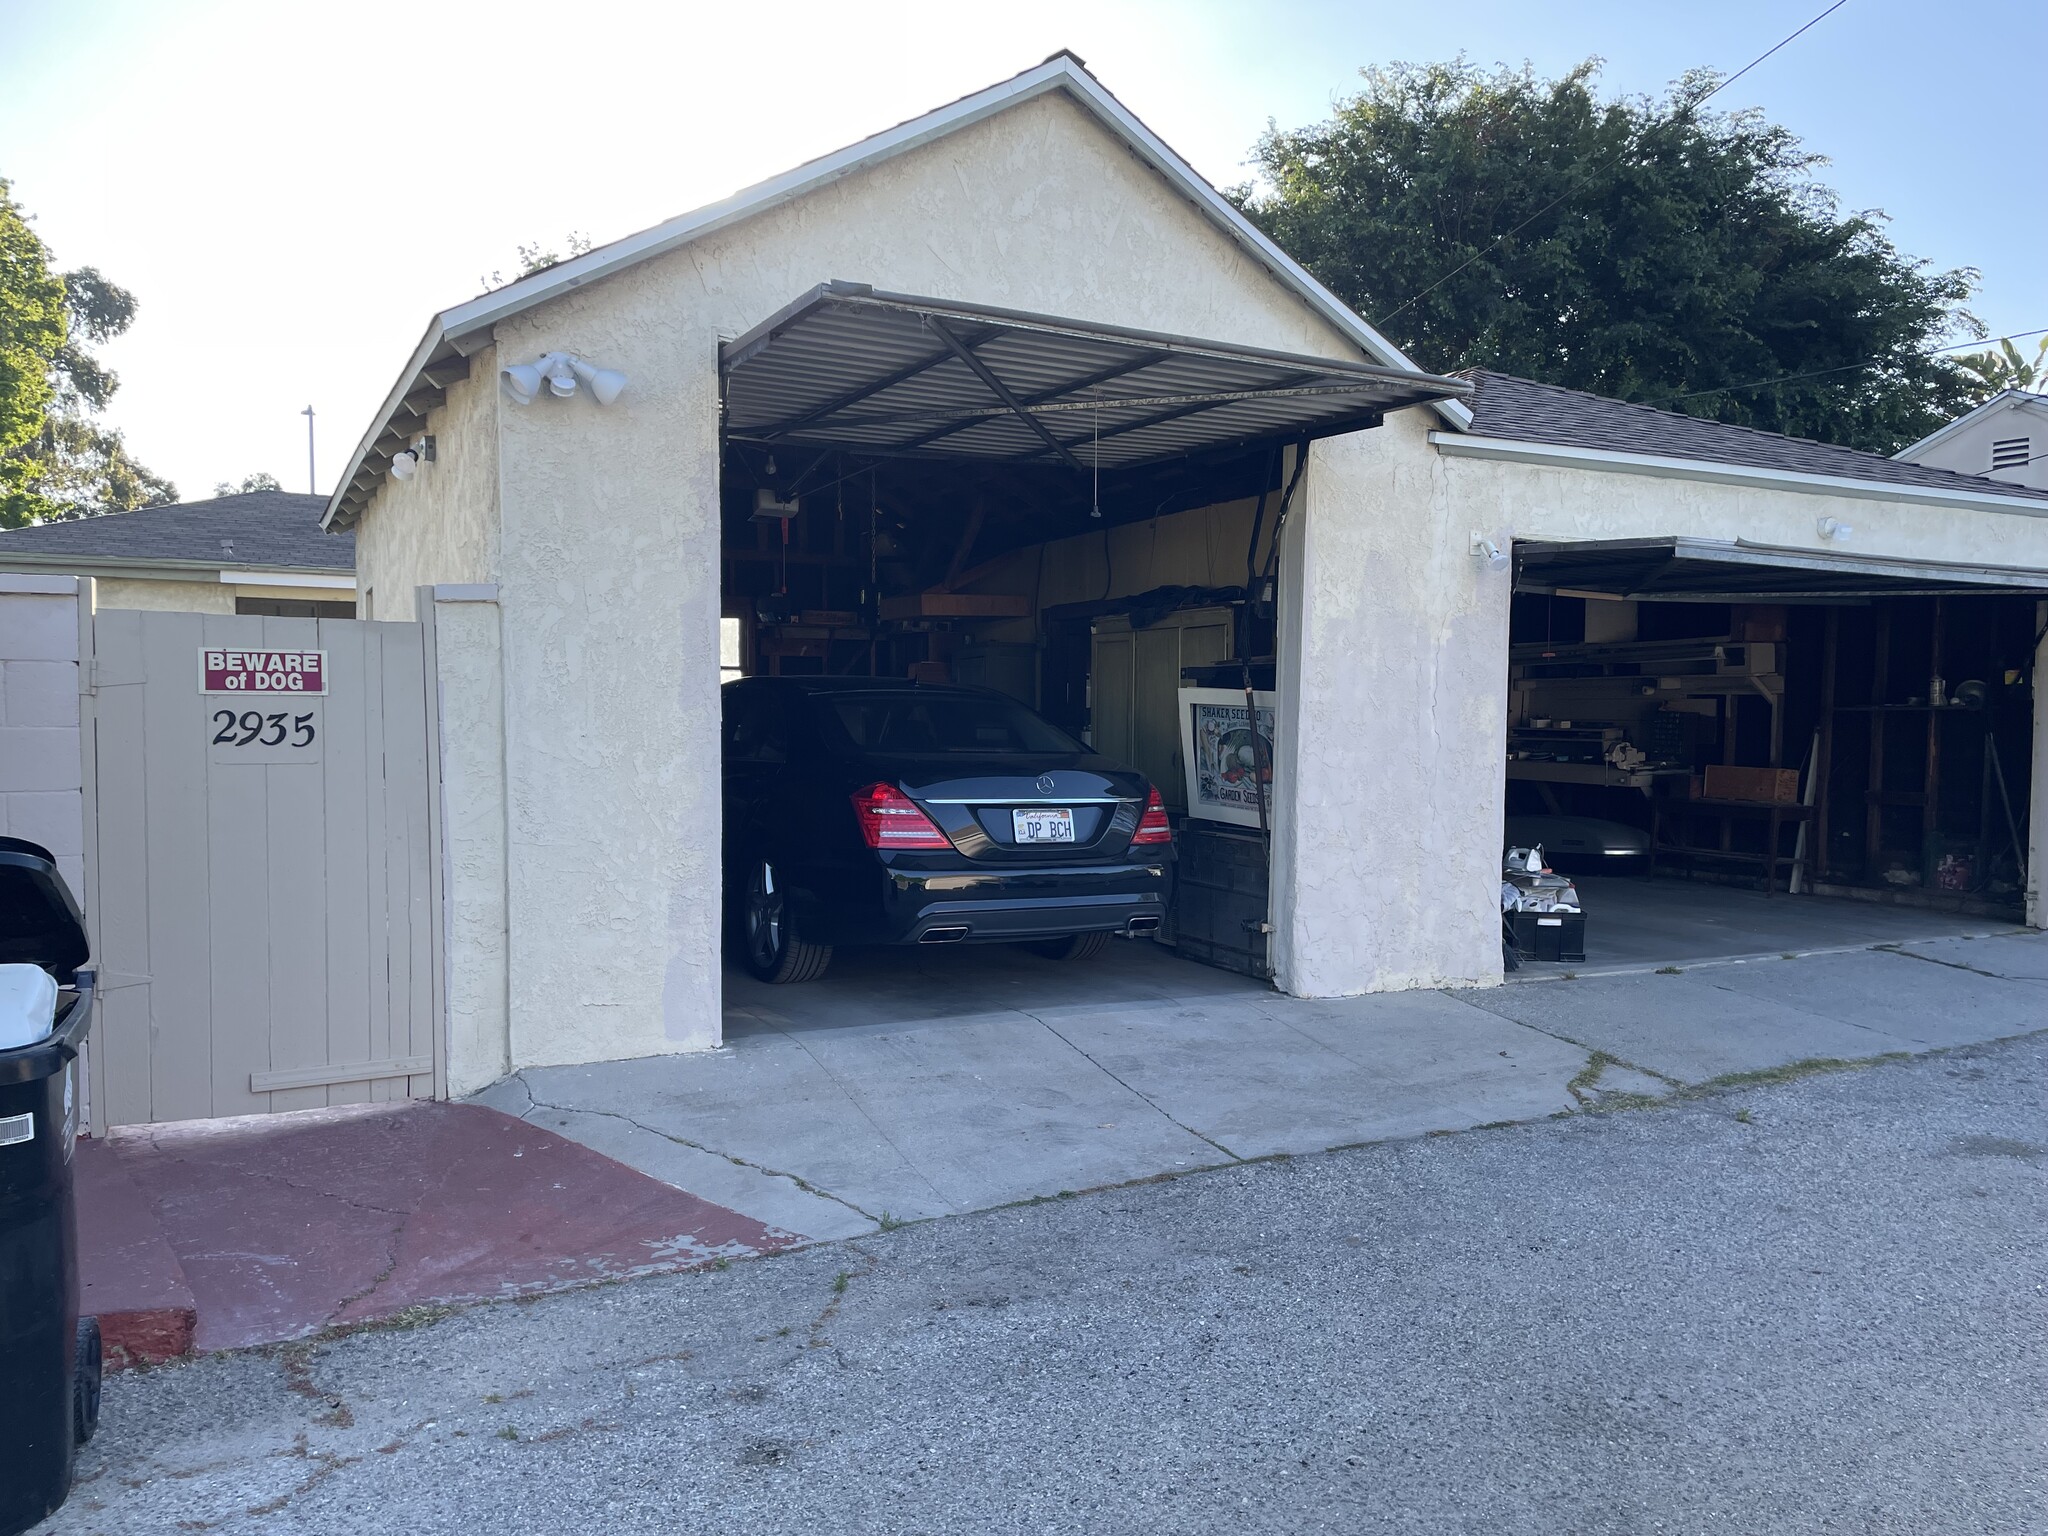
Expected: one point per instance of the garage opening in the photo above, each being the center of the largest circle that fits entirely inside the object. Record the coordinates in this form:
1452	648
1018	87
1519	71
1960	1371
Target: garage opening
1728	750
920	497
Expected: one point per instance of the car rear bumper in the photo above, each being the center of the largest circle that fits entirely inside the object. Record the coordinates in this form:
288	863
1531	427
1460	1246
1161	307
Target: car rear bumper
1000	907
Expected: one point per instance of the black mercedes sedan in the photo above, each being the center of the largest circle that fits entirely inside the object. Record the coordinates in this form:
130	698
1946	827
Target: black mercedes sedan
877	811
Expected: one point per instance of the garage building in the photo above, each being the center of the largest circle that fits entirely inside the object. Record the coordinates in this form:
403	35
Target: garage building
1008	394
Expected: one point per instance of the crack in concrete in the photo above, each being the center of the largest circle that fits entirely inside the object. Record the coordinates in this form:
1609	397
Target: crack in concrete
1135	1093
697	1146
862	1110
1955	965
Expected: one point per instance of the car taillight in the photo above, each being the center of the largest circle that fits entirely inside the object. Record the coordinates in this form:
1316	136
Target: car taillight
891	819
1153	827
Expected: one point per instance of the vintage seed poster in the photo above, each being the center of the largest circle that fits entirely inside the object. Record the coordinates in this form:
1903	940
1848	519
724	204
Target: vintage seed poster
1228	767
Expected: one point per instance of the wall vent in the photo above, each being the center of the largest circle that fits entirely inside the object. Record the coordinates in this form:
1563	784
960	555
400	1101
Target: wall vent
2011	452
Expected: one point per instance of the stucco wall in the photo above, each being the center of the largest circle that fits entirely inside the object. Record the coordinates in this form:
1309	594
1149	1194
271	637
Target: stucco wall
442	524
609	571
1393	667
209	596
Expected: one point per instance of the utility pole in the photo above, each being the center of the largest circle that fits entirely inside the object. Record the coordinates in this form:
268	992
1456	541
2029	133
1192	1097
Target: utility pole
312	480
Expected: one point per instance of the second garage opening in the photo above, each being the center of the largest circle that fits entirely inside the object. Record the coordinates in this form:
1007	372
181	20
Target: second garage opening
1723	750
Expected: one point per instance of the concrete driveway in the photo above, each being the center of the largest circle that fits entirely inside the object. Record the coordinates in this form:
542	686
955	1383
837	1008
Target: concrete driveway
835	1131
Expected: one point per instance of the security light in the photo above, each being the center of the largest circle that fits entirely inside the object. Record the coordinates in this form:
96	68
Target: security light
604	383
1834	530
404	465
561	372
521	382
1496	558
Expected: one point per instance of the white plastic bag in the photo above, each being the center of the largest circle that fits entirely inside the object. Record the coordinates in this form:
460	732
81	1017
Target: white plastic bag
28	1005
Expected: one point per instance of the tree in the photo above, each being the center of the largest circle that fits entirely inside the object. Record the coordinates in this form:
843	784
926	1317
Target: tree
262	480
32	333
1991	372
56	461
1639	248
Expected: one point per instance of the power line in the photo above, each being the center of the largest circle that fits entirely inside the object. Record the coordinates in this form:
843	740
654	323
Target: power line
1693	105
1821	373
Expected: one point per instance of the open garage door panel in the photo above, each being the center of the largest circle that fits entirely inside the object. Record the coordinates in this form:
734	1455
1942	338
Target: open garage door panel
850	368
1730	722
1679	569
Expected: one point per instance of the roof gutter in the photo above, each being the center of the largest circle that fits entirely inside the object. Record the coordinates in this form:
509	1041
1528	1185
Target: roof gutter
139	568
474	319
1459	445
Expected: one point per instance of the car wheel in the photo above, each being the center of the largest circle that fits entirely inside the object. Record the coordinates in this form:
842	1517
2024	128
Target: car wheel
774	951
1074	946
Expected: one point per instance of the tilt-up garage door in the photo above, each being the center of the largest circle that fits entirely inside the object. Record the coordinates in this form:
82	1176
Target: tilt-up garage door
259	876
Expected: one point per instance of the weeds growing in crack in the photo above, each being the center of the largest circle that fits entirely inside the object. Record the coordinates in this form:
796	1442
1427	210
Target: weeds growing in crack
1583	1083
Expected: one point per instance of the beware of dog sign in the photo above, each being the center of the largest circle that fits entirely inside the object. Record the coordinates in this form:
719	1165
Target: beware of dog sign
224	671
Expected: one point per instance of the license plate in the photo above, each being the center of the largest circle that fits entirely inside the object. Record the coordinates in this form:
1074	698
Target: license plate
1045	826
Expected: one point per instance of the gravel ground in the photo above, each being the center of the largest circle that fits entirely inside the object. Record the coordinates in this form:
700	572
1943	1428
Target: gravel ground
1813	1305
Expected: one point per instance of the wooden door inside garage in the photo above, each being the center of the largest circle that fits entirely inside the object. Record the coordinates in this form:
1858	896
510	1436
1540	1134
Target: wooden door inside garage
262	901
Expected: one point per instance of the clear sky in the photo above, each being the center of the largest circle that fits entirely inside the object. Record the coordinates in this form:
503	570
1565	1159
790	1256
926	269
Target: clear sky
292	189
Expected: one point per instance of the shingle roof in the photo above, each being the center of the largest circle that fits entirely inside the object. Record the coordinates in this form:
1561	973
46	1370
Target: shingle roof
1525	411
268	528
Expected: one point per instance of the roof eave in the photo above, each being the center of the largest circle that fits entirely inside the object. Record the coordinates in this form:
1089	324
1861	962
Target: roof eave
138	567
1520	450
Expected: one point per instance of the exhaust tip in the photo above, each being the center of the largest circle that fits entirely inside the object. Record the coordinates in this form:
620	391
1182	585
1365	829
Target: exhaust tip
1142	925
951	935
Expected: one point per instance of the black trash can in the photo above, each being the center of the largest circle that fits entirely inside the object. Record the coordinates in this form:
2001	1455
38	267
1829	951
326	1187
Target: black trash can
49	1360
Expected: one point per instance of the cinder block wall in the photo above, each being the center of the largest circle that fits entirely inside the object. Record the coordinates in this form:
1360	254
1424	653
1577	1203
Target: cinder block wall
41	781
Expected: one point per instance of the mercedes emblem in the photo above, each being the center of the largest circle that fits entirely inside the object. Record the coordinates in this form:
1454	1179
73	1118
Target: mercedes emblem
1045	784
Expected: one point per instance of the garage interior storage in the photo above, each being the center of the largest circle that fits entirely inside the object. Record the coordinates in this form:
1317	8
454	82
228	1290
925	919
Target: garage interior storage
1824	732
1085	519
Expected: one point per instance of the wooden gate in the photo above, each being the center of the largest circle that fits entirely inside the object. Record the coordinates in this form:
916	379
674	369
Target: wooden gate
260	877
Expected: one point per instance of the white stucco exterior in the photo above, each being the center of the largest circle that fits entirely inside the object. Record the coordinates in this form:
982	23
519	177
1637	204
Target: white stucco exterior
580	708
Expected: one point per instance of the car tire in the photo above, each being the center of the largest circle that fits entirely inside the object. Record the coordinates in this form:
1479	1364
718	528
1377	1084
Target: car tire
1073	946
774	951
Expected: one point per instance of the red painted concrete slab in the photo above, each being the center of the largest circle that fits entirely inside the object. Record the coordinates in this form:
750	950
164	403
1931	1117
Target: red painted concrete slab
282	1225
128	1277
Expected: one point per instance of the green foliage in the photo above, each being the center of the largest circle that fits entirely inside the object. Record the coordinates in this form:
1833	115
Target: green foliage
32	333
1646	250
56	461
1994	371
538	258
262	480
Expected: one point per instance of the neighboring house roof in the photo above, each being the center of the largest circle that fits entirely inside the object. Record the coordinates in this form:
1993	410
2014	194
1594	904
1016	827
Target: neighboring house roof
268	529
1504	406
2004	400
454	333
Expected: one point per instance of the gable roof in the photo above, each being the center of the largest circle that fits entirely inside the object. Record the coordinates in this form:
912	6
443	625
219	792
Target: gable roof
1522	410
454	333
256	528
2004	400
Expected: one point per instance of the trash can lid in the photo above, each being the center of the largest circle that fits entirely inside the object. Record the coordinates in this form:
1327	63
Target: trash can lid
39	921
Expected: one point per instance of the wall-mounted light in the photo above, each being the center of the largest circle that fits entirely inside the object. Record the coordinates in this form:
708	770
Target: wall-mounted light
560	373
1496	558
406	463
1834	530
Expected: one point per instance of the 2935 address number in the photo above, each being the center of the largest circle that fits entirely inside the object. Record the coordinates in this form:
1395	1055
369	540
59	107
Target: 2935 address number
253	728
